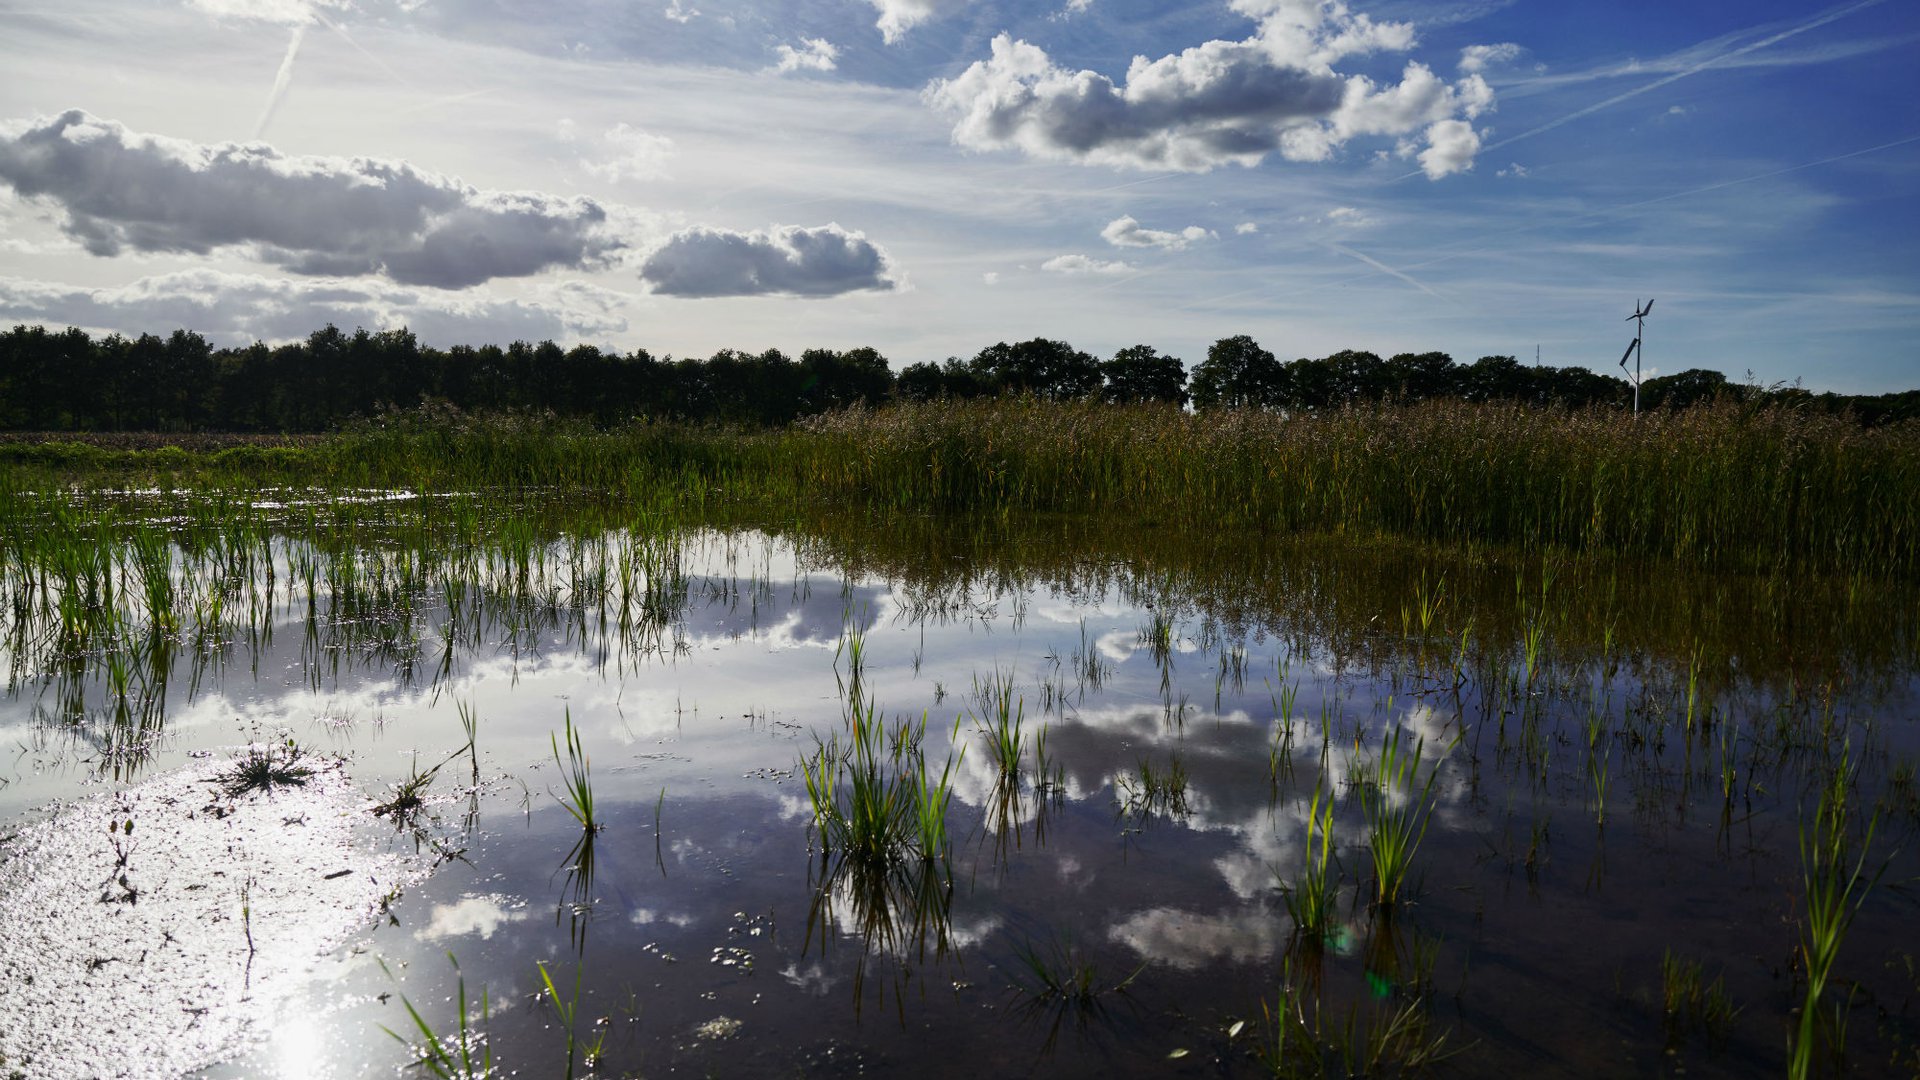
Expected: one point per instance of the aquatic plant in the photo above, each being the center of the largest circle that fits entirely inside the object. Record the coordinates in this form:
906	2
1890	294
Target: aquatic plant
577	795
1835	881
1150	789
1002	720
464	1054
876	804
263	768
568	1011
1398	808
1312	897
1062	974
1298	1041
1688	1000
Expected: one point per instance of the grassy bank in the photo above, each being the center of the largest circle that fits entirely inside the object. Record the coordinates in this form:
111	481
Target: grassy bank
1720	487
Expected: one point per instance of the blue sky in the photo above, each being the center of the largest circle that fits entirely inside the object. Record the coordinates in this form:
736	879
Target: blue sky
931	176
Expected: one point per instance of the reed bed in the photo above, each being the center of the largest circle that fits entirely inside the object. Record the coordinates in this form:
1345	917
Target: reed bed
1714	486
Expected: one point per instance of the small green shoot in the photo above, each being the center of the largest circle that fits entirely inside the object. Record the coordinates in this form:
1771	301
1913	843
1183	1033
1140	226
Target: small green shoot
578	796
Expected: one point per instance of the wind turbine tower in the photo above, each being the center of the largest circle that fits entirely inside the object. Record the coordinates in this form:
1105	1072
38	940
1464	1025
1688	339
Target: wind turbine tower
1639	320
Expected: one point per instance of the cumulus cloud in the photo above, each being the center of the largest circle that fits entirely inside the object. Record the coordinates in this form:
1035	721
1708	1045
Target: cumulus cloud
1081	264
815	54
235	309
621	152
1245	228
329	216
1515	170
1451	145
1477	58
1126	232
1216	104
680	13
1191	940
783	261
899	16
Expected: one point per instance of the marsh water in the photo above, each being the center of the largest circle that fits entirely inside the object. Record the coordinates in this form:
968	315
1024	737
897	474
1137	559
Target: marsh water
1608	879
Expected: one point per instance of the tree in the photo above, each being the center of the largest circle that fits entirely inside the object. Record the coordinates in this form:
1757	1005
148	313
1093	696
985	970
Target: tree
1139	373
1691	387
920	382
1239	373
1050	369
1496	378
835	380
1414	377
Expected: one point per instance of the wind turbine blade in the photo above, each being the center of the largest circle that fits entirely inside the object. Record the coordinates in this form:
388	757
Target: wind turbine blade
1624	357
1649	307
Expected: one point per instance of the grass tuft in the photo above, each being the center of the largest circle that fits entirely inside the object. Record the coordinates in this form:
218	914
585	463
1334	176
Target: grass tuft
263	768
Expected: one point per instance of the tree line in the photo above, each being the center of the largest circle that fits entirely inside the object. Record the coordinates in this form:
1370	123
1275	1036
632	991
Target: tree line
70	381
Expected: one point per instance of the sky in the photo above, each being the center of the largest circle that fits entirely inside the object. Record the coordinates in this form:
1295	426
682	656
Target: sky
927	177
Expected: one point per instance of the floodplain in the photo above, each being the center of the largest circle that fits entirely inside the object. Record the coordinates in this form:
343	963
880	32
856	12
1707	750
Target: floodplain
699	771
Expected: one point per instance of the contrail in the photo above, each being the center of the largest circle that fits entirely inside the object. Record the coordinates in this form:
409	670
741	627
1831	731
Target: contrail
280	82
383	65
1817	21
1822	19
1385	269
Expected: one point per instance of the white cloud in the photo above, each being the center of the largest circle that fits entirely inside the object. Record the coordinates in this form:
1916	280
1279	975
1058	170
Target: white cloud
482	915
1189	940
1126	232
1081	264
284	12
991	277
1220	103
622	153
680	13
816	54
1245	228
1351	217
325	216
786	260
1477	58
1451	145
1515	170
236	309
899	16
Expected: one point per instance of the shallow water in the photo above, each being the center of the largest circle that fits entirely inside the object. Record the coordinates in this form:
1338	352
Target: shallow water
713	935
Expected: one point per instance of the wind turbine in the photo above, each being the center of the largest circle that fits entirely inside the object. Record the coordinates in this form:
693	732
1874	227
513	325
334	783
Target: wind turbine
1639	320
